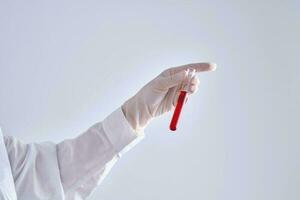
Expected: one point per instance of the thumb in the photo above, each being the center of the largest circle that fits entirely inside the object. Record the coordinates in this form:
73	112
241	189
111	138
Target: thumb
173	79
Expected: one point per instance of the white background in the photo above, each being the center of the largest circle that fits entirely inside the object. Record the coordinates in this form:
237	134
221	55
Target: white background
65	65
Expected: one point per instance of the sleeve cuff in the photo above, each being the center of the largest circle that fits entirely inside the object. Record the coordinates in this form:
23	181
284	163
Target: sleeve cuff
119	132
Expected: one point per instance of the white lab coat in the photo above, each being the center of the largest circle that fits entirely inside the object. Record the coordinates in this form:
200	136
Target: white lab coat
69	170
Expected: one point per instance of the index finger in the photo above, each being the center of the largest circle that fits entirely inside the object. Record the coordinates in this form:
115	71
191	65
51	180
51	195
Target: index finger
199	67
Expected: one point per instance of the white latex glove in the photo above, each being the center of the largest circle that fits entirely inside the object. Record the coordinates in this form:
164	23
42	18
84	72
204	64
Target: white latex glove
160	95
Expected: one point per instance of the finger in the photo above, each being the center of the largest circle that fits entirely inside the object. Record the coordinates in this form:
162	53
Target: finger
195	81
172	80
193	89
167	103
199	67
176	95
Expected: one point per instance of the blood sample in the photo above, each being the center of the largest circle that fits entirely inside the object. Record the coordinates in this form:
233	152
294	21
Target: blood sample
181	100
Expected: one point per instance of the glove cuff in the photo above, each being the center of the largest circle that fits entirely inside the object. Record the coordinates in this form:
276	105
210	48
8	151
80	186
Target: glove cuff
136	113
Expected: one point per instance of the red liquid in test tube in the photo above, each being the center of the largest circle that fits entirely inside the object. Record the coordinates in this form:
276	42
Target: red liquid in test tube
177	111
181	100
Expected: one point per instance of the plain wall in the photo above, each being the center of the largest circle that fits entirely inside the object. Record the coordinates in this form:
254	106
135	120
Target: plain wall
65	65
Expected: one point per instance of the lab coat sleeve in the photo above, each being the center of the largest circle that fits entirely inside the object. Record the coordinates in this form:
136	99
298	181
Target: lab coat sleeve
34	168
85	160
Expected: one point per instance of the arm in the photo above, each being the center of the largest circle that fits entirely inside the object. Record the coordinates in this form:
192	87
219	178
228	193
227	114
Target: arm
100	146
74	167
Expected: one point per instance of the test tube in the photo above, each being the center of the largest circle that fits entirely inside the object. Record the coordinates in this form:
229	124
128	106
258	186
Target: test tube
181	100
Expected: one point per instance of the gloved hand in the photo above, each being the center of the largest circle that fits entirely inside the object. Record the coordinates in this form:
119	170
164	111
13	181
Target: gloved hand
160	95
